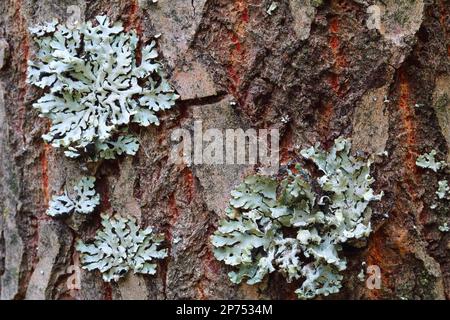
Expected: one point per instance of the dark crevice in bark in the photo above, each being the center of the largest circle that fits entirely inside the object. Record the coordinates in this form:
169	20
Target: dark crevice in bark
202	101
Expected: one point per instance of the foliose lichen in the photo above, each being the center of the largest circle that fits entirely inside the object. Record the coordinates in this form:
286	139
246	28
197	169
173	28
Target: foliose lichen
95	85
443	191
83	200
122	246
295	225
428	161
444	227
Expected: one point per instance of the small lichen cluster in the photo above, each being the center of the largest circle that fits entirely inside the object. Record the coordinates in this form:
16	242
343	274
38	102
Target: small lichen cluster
444	227
95	86
428	161
296	225
122	246
83	201
443	191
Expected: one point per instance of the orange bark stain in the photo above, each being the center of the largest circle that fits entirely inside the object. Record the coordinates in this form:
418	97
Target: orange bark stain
333	81
388	257
133	22
44	169
377	257
409	127
396	231
245	16
237	51
189	184
334	25
234	77
134	19
235	62
413	175
201	291
335	44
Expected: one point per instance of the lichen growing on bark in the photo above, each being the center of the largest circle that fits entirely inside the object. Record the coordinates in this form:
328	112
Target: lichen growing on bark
122	246
253	237
82	200
95	85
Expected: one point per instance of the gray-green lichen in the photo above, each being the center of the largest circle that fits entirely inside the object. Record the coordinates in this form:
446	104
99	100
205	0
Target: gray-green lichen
272	7
443	191
428	161
83	200
122	246
95	86
253	235
444	228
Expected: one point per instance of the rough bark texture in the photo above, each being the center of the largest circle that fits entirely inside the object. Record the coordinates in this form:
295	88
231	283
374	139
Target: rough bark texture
317	63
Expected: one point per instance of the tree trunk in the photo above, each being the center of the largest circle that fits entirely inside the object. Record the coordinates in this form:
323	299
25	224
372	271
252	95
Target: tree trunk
326	65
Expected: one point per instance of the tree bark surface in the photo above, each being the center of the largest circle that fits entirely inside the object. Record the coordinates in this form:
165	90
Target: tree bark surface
314	61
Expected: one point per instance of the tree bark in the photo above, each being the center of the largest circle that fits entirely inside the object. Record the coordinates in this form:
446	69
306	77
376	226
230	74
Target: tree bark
316	61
